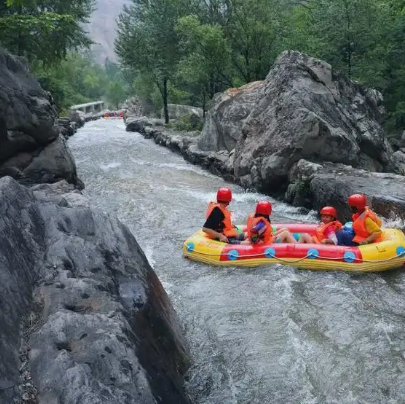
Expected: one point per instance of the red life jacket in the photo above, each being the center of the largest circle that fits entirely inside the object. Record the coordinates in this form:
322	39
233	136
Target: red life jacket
229	229
322	228
359	224
265	238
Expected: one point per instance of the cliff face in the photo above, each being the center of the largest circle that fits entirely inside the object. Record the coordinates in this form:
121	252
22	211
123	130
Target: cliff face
102	28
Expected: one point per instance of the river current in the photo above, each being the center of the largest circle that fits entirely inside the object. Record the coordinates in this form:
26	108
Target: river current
272	334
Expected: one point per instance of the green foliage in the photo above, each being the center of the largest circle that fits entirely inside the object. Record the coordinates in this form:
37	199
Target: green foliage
116	94
362	39
76	80
205	66
187	123
189	50
147	40
44	30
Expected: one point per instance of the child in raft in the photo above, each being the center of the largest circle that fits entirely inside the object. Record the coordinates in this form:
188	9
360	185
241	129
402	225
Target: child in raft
326	231
218	224
259	228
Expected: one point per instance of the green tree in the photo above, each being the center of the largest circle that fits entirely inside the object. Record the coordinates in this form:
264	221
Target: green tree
116	94
253	29
362	39
205	68
75	80
147	41
44	30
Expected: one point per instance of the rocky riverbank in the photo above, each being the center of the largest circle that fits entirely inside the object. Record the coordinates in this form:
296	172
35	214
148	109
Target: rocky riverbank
32	150
84	317
280	136
82	303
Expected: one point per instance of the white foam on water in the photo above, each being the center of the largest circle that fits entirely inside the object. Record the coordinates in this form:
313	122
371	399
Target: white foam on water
106	167
394	222
148	250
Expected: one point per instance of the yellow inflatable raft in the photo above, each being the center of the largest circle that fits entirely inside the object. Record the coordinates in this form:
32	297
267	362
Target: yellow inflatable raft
387	254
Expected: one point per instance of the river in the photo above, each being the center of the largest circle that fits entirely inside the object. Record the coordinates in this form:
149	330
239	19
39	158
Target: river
272	334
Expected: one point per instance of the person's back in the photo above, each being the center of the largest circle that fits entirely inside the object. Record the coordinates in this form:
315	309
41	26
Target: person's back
260	229
366	224
366	227
218	224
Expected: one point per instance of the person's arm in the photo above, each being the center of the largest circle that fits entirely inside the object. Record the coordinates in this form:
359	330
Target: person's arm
212	223
374	230
330	237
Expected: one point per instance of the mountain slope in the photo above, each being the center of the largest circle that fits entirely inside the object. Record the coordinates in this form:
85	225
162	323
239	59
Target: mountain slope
102	28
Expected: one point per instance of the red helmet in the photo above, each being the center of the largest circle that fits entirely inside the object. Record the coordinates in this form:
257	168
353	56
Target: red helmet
224	195
264	208
357	200
329	210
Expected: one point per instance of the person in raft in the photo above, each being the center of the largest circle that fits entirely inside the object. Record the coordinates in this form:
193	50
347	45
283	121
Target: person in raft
326	231
366	224
218	224
260	230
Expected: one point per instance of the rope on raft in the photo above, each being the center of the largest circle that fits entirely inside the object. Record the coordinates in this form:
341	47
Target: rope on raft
231	255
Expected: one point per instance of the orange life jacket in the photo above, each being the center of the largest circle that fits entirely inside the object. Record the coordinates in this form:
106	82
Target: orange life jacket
267	237
228	229
359	224
321	230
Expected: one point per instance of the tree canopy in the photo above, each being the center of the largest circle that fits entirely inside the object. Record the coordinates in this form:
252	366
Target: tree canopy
44	30
190	49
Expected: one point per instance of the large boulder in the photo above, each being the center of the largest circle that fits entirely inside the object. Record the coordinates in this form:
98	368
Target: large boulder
176	111
138	124
24	105
78	117
135	107
83	317
224	122
51	163
331	184
28	125
305	112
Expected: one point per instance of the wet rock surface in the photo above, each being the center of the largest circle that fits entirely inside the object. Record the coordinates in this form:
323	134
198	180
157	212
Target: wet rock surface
305	111
98	326
30	147
318	185
304	135
225	120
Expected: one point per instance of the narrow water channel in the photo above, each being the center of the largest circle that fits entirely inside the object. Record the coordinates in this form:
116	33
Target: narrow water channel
273	334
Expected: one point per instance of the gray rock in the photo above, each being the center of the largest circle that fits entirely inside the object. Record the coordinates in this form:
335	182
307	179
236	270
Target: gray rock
49	164
28	128
98	326
224	122
176	111
15	143
67	128
78	117
332	184
399	155
62	193
402	141
24	105
137	124
134	107
304	112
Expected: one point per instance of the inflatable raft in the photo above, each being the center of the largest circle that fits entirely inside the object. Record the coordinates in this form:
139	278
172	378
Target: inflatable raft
387	254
